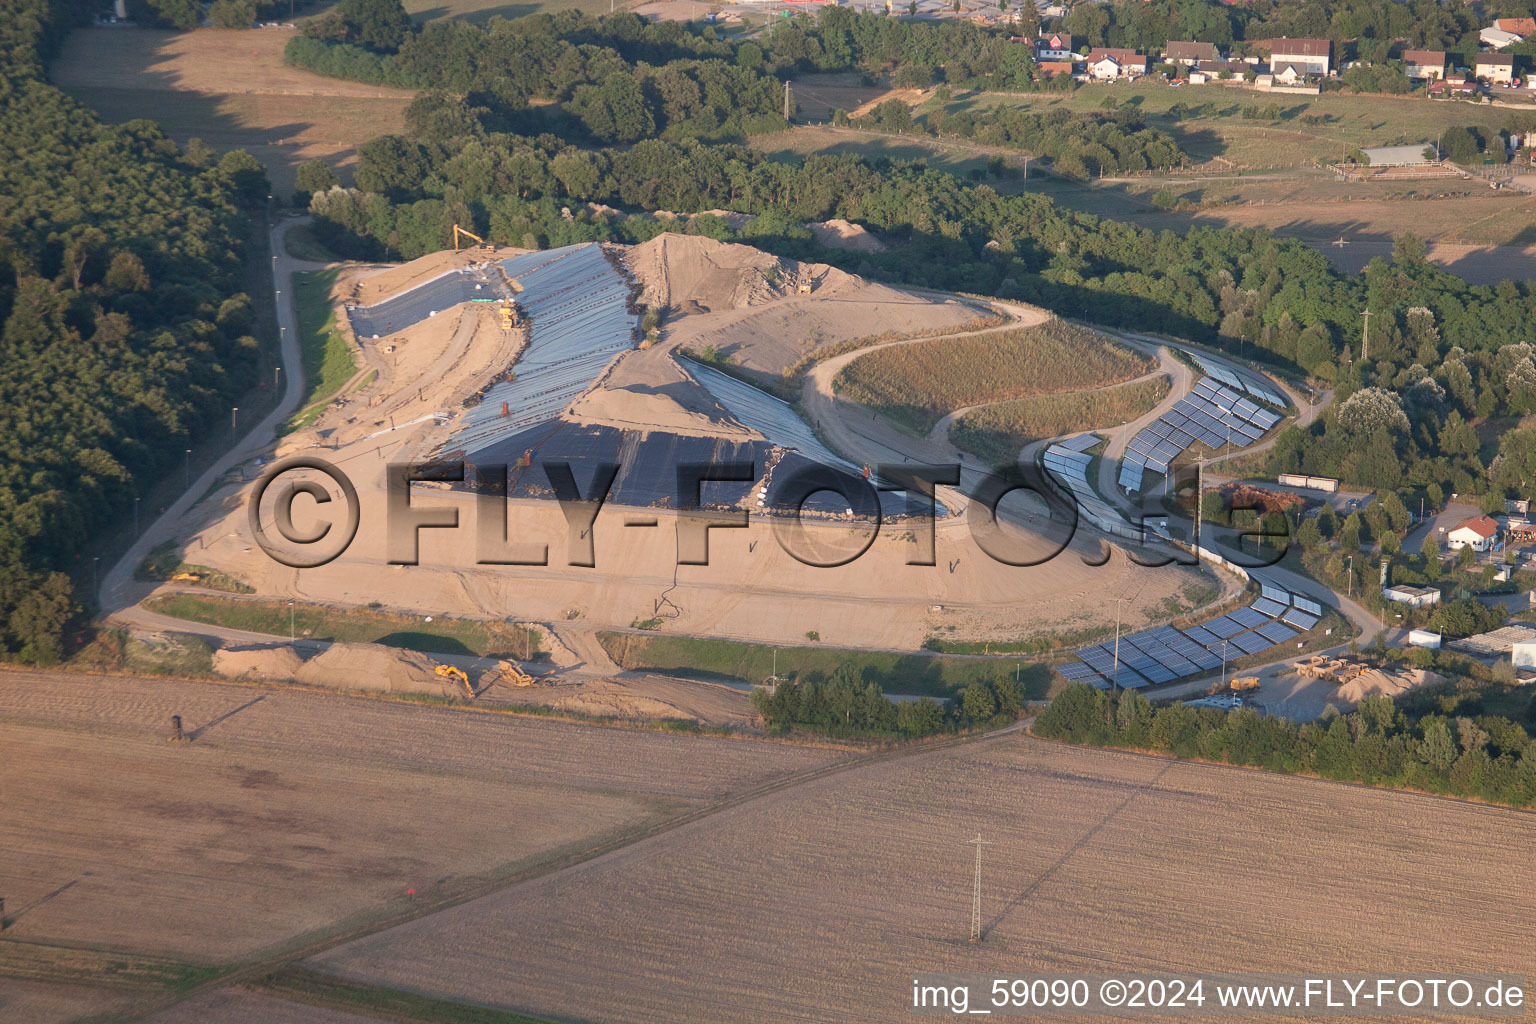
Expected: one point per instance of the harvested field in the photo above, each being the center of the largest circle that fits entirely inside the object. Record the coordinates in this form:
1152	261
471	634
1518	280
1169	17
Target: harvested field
999	432
304	809
917	385
820	902
242	1006
230	89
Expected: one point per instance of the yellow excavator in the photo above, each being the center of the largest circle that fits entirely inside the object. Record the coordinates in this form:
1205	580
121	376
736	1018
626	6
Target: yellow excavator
457	231
454	672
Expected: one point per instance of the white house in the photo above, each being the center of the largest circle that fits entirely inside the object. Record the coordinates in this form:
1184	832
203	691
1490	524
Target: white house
1477	534
1424	65
1054	47
1287	72
1413	597
1314	55
1496	67
1497	38
1111	63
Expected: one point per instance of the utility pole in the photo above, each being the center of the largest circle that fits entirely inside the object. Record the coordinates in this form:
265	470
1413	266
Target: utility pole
1199	498
1114	680
135	517
189	470
786	99
976	892
1365	336
291	631
1349	590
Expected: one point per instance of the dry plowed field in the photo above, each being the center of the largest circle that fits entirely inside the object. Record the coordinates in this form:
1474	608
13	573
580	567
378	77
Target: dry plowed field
821	901
291	810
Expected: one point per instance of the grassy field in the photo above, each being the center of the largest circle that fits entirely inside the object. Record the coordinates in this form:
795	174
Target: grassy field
794	145
230	89
443	635
1209	120
911	674
328	359
821	901
917	385
998	432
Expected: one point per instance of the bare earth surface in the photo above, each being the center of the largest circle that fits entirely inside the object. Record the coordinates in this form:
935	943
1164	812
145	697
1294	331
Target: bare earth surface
230	89
303	809
820	902
241	1006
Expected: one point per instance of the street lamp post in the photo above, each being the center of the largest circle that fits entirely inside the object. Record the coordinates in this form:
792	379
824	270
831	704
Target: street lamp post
234	413
136	516
188	470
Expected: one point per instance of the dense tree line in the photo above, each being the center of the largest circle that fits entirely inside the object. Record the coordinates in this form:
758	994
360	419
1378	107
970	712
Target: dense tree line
1080	145
1487	757
121	328
846	705
1363	28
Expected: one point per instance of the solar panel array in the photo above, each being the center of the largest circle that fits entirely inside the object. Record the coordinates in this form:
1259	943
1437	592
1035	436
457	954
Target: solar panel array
578	309
757	409
1212	413
1156	656
1067	462
1248	382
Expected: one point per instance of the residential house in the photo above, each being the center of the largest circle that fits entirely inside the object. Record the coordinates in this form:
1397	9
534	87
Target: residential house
1110	63
1236	68
1477	534
1424	65
1521	27
1054	48
1497	38
1498	68
1288	73
1315	55
1190	54
1413	597
1453	85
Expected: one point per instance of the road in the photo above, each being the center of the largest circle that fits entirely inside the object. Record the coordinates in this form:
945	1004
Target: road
119	594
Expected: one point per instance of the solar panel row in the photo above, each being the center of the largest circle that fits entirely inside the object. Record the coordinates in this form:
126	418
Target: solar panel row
1212	414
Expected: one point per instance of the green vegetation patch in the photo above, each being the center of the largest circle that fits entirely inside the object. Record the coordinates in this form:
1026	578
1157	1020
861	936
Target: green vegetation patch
443	635
917	385
999	432
328	359
164	564
916	674
324	990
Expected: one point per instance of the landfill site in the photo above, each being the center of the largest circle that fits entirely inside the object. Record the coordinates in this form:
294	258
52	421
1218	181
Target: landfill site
581	357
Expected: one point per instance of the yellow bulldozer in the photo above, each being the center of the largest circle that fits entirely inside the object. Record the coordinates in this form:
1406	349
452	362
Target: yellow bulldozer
1245	683
454	672
514	675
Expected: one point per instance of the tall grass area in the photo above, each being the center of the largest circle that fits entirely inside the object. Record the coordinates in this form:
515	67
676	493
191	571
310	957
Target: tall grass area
915	386
915	674
328	361
443	635
998	432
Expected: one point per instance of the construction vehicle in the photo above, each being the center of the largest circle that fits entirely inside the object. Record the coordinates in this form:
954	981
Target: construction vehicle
1244	683
192	577
508	313
454	672
514	675
457	231
805	288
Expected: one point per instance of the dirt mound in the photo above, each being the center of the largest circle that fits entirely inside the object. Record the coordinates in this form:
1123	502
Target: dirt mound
377	669
646	390
676	268
842	234
1389	684
282	663
644	697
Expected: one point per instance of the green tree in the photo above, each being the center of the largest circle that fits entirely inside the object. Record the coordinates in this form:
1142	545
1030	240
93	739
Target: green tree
977	703
232	13
1431	553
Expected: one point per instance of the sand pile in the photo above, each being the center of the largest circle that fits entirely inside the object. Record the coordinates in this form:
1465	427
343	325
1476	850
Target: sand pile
279	663
843	234
645	389
378	669
715	275
1389	684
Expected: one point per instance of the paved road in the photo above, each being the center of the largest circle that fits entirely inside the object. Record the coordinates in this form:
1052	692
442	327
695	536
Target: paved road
119	593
